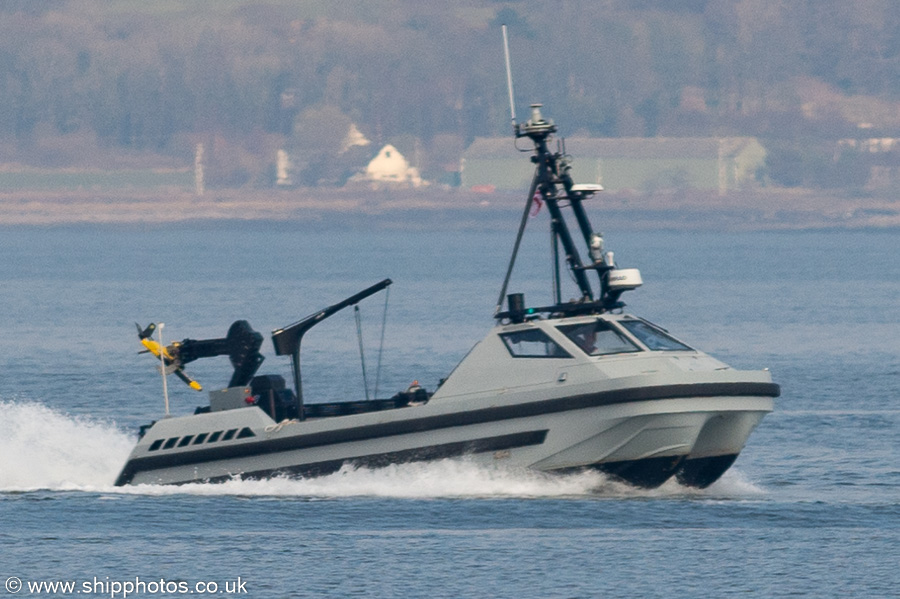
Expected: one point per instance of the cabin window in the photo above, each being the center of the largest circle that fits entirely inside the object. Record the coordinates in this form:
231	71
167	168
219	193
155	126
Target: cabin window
186	440
654	338
155	445
229	435
170	443
200	438
214	437
245	432
533	343
598	338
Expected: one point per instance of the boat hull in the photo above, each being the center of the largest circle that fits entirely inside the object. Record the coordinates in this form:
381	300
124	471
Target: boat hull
641	435
717	447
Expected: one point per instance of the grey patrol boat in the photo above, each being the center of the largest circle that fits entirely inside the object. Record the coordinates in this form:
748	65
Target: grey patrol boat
569	386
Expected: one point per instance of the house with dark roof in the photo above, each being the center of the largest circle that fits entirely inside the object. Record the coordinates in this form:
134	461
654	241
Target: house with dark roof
631	163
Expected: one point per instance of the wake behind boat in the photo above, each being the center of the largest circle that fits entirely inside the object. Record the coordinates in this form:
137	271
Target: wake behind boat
568	386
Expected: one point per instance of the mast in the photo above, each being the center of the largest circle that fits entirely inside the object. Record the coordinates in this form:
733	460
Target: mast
546	173
553	181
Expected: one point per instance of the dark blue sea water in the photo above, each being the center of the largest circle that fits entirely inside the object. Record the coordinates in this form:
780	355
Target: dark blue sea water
810	509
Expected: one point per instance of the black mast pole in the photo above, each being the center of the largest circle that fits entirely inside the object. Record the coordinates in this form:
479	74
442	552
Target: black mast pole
554	244
584	223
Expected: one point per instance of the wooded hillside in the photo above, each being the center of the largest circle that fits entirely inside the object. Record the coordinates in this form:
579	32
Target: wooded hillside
86	82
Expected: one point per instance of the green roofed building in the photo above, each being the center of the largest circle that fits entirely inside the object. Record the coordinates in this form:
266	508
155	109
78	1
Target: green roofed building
630	163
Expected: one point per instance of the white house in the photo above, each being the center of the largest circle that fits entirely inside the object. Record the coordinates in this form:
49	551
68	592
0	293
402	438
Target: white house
389	166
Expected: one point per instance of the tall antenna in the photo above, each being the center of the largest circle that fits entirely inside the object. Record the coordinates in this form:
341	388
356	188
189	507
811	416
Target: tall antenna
509	85
534	182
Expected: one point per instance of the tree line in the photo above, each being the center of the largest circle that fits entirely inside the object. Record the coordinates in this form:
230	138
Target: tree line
156	77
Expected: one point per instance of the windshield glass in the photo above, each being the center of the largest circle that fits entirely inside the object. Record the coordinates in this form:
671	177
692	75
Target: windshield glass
652	337
533	343
598	338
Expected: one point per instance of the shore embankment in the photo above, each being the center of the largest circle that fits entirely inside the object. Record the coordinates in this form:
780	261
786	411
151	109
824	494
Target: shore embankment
401	208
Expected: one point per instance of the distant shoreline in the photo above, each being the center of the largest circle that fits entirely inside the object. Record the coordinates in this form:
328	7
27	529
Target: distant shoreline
450	208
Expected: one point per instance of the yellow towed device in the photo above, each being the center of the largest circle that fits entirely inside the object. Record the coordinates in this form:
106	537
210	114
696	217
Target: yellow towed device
168	354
